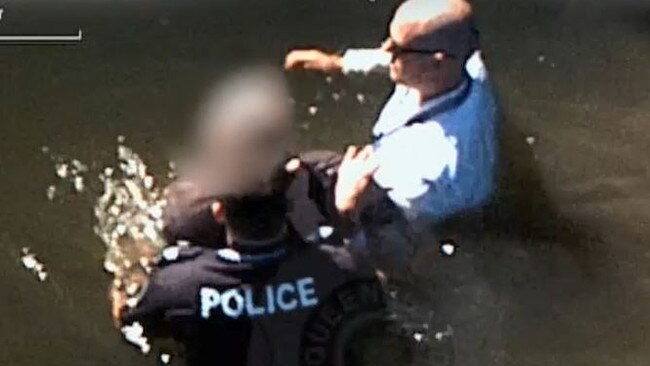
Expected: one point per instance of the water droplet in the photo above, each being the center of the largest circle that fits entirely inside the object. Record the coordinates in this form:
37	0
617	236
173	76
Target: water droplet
530	140
79	183
51	191
148	182
32	264
29	261
165	358
42	276
448	248
62	170
79	166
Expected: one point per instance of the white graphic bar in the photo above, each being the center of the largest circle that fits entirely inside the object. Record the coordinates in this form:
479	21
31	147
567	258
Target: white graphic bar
53	38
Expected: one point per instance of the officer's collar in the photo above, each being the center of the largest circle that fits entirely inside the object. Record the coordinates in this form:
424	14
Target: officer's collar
273	241
256	251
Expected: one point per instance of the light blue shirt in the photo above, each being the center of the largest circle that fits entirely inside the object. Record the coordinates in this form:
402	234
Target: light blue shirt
439	159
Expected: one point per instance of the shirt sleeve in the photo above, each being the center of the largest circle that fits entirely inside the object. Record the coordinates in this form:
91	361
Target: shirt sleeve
322	167
365	60
149	313
168	300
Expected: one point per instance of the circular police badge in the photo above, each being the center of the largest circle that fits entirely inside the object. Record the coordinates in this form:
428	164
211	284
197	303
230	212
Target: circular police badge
339	329
352	328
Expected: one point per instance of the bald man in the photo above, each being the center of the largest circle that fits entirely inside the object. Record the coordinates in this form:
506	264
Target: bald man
435	137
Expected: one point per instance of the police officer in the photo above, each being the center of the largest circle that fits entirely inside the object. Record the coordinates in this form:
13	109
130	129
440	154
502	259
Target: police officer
263	296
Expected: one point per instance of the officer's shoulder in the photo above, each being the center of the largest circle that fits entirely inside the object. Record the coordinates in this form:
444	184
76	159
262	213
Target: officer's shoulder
345	258
178	254
176	269
321	162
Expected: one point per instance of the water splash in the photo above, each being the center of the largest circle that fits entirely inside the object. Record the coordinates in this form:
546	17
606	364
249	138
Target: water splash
33	264
128	209
128	217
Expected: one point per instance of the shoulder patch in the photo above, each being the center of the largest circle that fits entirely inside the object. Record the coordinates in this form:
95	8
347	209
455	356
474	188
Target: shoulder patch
174	253
229	254
325	231
171	253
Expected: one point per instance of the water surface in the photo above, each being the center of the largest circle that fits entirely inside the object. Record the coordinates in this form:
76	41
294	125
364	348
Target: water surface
572	74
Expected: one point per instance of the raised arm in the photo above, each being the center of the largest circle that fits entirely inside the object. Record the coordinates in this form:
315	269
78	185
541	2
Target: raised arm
363	60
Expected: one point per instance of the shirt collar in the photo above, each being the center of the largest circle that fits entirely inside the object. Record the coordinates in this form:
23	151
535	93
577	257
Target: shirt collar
257	251
405	99
445	101
258	244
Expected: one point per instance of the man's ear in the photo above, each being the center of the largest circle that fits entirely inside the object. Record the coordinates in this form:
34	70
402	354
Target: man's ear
218	212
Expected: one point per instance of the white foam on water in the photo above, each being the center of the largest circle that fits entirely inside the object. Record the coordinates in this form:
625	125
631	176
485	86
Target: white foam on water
165	358
31	263
128	221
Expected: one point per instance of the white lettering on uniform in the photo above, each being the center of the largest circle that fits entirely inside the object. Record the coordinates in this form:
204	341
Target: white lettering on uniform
282	289
270	300
286	296
226	303
209	299
307	292
250	302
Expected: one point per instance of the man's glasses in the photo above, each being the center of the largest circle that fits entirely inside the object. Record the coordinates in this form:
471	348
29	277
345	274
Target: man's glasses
397	50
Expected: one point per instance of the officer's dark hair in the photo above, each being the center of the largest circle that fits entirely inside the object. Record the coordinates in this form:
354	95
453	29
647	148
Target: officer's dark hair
259	209
188	216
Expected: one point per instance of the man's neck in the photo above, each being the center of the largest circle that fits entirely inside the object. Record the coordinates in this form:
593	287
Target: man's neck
426	92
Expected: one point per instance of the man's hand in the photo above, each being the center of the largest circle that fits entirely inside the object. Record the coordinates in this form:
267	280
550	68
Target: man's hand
118	305
314	60
354	175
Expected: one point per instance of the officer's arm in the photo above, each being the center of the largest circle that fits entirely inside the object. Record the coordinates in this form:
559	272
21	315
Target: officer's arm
149	312
323	166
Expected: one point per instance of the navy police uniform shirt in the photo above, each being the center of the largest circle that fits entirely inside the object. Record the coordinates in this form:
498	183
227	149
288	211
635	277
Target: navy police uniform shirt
281	302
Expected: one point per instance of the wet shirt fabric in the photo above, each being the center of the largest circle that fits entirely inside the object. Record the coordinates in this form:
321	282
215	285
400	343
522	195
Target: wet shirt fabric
253	303
439	159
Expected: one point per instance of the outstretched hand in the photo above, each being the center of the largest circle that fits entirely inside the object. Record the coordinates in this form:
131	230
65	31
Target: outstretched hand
315	60
354	175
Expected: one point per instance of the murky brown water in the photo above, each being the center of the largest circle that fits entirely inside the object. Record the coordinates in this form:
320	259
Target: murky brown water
572	74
